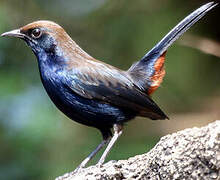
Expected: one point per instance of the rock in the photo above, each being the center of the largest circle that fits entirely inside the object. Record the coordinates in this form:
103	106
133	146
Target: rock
188	154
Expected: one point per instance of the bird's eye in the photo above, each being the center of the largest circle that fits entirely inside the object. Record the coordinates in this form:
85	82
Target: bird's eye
36	33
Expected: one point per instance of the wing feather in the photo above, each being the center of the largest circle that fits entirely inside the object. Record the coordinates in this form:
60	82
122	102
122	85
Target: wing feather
113	86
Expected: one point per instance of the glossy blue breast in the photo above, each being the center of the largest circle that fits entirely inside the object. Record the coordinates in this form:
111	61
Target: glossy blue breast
85	111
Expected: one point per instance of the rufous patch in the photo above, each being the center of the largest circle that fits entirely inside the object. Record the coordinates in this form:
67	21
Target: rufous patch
159	73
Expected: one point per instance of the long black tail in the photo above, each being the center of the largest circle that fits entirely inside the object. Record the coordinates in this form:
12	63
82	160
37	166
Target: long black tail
148	72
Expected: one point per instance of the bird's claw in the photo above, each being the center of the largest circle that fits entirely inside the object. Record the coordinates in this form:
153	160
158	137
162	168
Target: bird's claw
78	169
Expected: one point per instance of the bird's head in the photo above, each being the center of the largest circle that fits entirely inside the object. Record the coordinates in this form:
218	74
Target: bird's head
46	38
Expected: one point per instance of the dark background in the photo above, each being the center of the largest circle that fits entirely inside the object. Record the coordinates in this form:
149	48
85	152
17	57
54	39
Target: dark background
38	142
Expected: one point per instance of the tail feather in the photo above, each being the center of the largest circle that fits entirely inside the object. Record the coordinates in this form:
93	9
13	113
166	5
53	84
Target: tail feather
146	74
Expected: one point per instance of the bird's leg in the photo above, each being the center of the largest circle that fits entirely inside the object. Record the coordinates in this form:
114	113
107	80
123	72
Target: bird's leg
117	132
93	153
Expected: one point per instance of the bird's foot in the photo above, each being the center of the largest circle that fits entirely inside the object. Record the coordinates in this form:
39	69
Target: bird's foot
99	165
78	169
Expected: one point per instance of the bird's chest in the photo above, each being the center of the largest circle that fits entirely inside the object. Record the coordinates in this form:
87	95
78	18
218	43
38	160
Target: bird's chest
83	110
55	86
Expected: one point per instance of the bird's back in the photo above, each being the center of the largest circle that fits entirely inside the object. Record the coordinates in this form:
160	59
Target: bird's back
96	94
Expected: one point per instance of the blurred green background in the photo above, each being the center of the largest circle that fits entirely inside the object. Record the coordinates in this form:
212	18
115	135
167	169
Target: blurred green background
38	142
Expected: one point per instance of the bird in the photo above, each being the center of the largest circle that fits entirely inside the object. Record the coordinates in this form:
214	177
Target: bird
92	92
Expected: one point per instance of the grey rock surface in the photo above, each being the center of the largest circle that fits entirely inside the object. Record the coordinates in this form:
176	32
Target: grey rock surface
188	154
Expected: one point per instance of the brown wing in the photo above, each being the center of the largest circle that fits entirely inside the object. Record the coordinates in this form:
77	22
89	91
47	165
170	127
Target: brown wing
107	84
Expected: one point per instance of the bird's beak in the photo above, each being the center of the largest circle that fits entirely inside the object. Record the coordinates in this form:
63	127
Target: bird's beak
13	33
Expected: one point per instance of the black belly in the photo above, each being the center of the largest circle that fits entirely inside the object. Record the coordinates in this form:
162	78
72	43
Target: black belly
86	111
